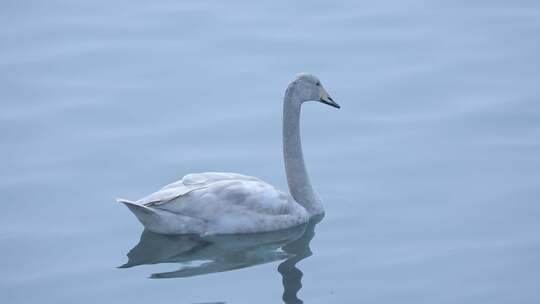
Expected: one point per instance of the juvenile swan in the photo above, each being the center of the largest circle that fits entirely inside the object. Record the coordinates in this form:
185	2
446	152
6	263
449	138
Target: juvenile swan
223	203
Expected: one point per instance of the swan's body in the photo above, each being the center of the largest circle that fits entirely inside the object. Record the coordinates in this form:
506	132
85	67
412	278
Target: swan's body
224	203
215	202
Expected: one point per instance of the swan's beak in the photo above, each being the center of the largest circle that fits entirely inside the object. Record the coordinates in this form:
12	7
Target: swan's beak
326	99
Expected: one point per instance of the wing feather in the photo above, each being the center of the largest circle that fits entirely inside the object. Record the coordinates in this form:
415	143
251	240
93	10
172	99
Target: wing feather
189	183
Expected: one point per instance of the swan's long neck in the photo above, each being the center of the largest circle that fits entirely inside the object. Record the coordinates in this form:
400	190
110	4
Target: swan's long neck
297	176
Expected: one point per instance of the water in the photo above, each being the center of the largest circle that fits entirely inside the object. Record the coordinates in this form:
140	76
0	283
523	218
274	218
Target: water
429	172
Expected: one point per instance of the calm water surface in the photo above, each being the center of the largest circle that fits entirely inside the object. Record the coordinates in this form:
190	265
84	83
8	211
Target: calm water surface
430	172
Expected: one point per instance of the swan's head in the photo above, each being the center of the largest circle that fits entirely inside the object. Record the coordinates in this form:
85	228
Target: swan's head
307	87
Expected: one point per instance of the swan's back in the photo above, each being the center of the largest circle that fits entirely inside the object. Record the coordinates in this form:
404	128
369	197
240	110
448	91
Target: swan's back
190	182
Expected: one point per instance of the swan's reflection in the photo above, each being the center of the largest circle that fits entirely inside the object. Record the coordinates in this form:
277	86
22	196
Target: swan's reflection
228	252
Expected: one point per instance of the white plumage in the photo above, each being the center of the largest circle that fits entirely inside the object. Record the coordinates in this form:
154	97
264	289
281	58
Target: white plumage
225	203
215	202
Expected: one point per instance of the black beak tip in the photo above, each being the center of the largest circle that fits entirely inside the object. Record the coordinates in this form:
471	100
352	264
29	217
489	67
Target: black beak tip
332	103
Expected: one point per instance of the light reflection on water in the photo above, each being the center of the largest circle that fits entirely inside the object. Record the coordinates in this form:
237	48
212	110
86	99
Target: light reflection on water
221	253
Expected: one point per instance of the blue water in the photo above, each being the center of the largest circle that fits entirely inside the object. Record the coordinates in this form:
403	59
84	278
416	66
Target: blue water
430	172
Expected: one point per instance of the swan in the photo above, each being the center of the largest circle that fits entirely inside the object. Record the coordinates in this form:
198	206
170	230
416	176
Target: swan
230	203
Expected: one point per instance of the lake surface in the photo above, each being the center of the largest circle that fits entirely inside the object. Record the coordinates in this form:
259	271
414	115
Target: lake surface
430	172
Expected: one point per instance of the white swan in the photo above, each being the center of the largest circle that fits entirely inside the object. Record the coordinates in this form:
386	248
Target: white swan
224	203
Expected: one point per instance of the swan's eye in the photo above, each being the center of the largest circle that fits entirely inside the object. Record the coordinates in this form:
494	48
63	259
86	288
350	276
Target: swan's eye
318	84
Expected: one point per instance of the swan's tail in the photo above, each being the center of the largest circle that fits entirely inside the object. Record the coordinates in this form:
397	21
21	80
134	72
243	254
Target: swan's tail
162	221
147	216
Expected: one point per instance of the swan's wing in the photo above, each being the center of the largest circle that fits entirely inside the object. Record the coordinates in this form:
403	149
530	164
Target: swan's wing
206	178
166	195
188	184
230	200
